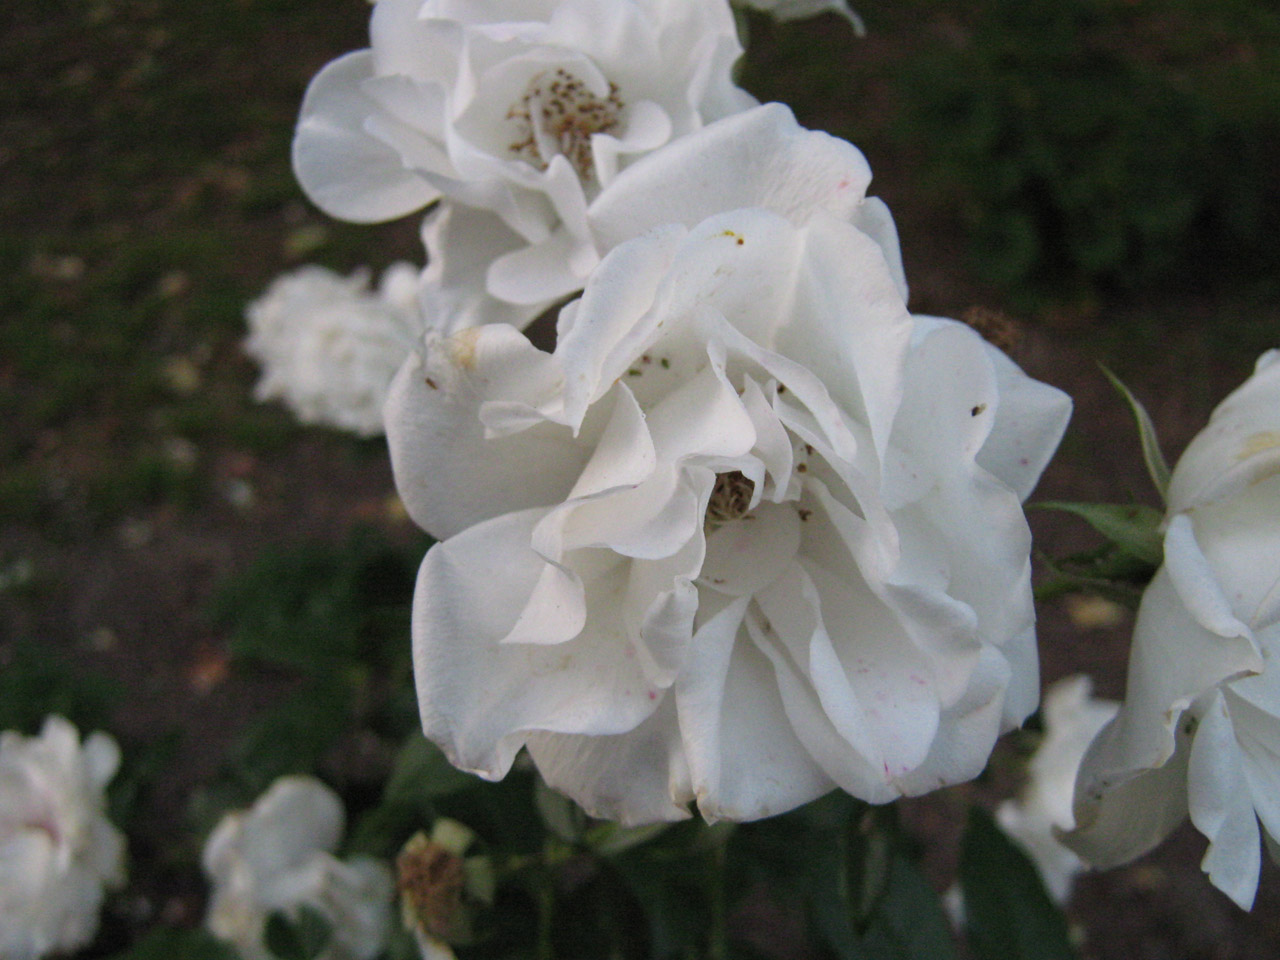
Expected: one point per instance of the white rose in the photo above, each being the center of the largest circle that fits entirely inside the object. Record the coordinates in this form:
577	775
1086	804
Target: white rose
801	9
1199	731
760	157
59	851
278	856
524	110
1071	720
329	347
750	533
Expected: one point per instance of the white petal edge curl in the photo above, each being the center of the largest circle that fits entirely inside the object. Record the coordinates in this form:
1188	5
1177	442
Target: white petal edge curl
636	778
745	761
1239	447
758	158
344	171
1030	418
447	473
1221	806
480	698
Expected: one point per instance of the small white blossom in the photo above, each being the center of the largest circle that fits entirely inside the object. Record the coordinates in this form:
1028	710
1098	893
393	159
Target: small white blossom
278	856
521	113
1072	718
1199	730
328	346
750	533
58	851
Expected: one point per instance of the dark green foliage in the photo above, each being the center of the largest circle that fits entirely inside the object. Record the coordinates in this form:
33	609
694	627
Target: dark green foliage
1008	913
337	617
301	936
171	943
37	679
319	607
1103	142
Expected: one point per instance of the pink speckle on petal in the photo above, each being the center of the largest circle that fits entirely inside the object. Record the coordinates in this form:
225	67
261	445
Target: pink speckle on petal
653	695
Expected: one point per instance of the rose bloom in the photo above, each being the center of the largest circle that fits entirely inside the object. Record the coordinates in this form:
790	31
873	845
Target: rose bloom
749	533
329	346
1072	718
60	853
521	121
1199	731
278	856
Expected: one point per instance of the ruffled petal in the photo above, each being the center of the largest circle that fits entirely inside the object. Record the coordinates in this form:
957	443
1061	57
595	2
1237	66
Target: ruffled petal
745	762
1239	447
758	158
344	171
1220	805
632	778
480	697
448	473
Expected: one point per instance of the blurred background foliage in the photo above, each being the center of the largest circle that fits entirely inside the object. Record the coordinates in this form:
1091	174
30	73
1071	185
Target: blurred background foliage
1113	144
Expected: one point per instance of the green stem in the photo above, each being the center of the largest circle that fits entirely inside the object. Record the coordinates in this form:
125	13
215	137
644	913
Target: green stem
718	948
546	911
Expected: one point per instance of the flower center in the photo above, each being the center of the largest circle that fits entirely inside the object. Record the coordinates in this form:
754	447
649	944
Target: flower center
730	499
431	880
557	115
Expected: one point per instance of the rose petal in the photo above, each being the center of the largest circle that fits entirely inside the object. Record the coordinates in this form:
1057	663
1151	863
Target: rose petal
745	763
479	697
344	171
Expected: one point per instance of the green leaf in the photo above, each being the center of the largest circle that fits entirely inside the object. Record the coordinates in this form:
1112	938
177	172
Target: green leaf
1008	914
1133	527
1157	466
422	773
37	679
908	922
294	736
317	607
300	937
869	859
560	815
613	839
167	943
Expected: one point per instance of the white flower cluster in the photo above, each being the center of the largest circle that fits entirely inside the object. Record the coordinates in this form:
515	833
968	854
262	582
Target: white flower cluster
278	857
329	346
751	531
1199	731
59	854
